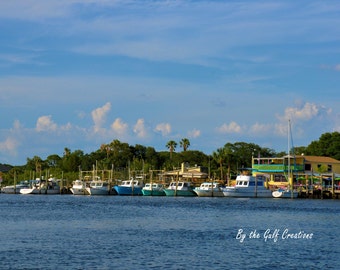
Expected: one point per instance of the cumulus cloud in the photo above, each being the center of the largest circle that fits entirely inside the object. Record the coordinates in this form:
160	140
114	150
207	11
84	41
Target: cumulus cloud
307	112
194	133
45	123
232	127
119	127
164	128
140	129
99	116
9	146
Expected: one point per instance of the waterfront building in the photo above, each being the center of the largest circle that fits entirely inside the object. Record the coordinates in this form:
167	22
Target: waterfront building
195	174
298	171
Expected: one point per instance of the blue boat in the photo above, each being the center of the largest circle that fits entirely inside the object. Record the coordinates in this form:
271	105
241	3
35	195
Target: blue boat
130	187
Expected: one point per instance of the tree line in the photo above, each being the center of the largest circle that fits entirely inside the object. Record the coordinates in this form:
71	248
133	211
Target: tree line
120	157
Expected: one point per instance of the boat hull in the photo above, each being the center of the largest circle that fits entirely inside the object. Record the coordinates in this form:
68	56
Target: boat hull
28	191
179	192
128	191
154	192
50	191
208	193
39	191
11	190
247	193
98	191
79	191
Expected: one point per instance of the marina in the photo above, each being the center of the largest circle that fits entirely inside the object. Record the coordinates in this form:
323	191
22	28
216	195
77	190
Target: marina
327	187
289	177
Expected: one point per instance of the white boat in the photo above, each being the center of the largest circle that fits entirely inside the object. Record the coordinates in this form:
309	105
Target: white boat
209	189
42	187
98	187
248	186
79	188
14	189
285	193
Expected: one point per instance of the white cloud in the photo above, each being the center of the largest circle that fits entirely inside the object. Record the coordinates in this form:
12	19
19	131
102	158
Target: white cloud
305	113
99	116
281	129
194	133
45	123
164	128
66	127
140	128
232	127
17	125
258	128
119	127
9	146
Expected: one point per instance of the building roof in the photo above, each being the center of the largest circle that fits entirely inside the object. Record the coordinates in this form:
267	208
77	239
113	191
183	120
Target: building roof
321	159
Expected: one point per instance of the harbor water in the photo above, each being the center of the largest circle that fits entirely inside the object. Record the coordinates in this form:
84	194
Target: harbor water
117	232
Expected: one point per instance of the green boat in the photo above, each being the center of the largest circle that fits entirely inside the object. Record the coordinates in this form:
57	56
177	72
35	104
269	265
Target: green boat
153	189
180	188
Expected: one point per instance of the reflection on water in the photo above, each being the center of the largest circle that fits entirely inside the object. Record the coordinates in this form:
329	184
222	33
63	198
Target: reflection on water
84	232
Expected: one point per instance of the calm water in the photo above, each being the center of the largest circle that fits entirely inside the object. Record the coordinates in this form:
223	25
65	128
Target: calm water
83	232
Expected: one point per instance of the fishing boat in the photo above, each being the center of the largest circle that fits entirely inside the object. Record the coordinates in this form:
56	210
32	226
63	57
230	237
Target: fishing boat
79	188
248	186
98	187
14	189
39	186
130	187
153	189
209	189
180	188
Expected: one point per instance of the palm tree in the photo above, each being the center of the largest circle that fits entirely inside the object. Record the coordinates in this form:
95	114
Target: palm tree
228	147
171	145
67	151
184	143
219	156
106	149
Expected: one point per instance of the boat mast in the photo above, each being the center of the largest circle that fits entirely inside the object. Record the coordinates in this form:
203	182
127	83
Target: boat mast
288	152
290	176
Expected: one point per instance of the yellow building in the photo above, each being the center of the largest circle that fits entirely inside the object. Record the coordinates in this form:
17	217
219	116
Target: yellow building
316	164
196	174
289	170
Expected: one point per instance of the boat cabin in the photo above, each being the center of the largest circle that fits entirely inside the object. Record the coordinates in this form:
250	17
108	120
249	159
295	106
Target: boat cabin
249	181
153	185
208	186
179	185
130	183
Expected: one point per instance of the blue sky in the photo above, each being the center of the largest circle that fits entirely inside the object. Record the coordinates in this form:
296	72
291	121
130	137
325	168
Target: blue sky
80	73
